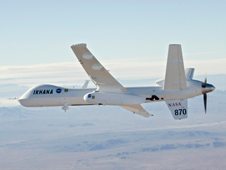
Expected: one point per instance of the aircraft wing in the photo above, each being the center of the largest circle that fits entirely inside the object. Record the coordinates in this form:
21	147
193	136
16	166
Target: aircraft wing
138	109
178	108
175	79
85	85
97	73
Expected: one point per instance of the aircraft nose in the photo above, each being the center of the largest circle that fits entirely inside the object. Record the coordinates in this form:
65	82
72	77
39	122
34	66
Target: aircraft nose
24	102
206	88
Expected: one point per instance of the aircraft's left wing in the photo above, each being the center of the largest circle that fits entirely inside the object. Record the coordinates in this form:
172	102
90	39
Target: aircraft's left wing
178	108
97	73
138	109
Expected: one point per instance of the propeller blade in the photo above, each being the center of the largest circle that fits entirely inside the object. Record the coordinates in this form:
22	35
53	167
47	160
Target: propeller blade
205	101
205	79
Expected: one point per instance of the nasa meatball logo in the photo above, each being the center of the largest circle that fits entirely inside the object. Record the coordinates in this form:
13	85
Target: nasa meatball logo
89	95
58	90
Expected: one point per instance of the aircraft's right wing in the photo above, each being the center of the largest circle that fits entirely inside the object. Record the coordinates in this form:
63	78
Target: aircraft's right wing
97	73
138	109
86	84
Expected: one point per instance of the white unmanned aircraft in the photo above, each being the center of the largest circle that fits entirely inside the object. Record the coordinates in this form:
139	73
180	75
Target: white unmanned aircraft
175	89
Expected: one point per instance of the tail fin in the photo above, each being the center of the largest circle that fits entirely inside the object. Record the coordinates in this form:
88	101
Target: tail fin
175	79
189	73
178	108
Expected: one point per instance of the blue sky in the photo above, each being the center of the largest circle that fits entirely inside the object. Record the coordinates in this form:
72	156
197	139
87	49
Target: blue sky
130	38
41	32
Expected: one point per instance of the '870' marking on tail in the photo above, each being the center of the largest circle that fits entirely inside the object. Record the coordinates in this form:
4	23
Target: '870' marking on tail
180	112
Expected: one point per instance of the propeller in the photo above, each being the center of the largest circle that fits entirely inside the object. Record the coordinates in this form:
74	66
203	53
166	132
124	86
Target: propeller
206	88
204	94
205	101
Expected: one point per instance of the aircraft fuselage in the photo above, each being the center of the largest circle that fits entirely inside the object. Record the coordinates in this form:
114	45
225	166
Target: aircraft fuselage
51	95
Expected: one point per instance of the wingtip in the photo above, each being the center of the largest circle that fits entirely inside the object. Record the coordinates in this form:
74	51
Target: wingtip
149	115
